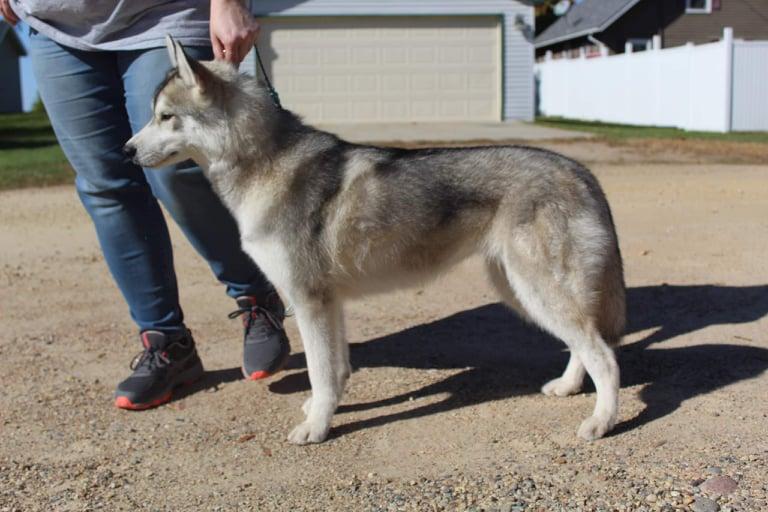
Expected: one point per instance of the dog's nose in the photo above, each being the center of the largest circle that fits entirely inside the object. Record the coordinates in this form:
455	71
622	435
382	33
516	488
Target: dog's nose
129	150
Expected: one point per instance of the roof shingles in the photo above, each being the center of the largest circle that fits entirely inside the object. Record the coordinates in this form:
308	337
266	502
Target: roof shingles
585	18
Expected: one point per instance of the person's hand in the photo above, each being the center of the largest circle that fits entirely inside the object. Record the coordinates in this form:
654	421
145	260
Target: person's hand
7	12
233	30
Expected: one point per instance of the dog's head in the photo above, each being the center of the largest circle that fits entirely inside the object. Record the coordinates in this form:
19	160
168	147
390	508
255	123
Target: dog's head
187	108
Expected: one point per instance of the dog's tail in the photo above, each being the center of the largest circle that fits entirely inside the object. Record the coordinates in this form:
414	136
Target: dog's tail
612	316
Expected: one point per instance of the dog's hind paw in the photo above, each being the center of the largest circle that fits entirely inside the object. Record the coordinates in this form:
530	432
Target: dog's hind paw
306	433
594	428
561	387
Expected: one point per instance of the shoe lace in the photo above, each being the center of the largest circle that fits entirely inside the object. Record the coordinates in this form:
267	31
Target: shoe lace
151	358
254	312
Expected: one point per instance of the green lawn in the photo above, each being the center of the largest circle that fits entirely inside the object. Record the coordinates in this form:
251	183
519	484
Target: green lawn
625	131
29	153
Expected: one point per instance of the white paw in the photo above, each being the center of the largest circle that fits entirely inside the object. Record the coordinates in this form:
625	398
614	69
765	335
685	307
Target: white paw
560	387
307	406
306	433
594	427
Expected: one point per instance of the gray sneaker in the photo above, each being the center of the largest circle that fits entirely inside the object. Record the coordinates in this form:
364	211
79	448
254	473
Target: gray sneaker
265	345
167	361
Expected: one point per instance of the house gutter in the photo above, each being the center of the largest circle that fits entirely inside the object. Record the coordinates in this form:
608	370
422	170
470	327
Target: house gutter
548	42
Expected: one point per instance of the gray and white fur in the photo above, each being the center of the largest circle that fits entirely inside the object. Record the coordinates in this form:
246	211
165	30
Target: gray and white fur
327	220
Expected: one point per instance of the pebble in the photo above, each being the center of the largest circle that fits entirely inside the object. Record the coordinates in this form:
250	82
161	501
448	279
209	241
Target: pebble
703	504
721	485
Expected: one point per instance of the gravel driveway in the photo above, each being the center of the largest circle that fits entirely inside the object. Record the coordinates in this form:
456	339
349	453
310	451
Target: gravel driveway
443	410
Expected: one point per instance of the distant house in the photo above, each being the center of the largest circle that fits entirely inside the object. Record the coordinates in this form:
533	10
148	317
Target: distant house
374	61
611	26
10	84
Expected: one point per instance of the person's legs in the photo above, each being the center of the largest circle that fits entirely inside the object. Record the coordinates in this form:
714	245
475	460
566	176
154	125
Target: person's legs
189	198
86	94
183	189
83	95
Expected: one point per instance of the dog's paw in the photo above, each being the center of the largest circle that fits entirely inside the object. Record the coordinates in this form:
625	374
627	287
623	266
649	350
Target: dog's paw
307	406
306	433
561	387
594	428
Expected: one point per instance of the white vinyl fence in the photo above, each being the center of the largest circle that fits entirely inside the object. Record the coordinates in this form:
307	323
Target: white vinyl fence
720	86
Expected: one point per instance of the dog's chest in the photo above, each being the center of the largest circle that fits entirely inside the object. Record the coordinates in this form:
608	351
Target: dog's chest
271	256
256	220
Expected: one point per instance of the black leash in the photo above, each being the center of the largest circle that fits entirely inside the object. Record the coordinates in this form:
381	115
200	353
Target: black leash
272	91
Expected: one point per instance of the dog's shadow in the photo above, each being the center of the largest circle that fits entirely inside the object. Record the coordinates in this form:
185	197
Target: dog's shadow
499	356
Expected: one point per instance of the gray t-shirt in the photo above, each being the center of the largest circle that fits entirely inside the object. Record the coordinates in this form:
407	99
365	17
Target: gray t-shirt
117	24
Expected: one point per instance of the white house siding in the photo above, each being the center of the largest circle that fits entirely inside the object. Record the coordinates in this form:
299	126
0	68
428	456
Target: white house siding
517	49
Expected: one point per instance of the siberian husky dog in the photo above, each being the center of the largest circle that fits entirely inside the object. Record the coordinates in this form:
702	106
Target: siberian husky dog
327	220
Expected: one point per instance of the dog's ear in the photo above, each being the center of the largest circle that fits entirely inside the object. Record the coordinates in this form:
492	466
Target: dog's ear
192	73
170	44
185	67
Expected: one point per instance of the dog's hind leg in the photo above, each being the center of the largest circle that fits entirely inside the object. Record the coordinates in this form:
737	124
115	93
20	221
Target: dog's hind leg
553	278
317	324
573	377
600	362
564	319
499	280
570	382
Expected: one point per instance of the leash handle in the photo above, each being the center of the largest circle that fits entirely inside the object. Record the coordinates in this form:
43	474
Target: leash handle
272	92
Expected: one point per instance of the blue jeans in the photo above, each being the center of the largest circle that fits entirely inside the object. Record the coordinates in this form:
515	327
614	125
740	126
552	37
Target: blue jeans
96	101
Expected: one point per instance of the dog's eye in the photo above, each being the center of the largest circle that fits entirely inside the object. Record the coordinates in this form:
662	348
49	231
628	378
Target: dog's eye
165	116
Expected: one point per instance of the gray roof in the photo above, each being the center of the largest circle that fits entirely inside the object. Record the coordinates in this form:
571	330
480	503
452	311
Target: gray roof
588	17
7	31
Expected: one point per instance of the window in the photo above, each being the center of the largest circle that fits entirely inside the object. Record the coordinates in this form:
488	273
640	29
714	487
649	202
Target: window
698	6
640	45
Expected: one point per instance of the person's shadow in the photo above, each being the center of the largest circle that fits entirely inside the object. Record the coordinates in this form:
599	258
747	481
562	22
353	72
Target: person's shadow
502	356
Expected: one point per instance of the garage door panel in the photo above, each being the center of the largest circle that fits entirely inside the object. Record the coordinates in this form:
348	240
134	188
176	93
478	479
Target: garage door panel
387	69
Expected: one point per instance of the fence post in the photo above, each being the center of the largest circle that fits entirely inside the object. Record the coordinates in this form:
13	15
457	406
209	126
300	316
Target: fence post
728	48
548	55
690	48
628	47
656	42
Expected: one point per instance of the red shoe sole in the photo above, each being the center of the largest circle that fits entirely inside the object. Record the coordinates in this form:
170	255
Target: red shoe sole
261	374
258	375
123	402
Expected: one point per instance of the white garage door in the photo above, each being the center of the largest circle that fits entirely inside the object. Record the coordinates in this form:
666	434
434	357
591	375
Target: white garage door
386	69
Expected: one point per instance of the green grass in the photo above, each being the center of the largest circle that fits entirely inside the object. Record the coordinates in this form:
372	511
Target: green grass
29	153
625	131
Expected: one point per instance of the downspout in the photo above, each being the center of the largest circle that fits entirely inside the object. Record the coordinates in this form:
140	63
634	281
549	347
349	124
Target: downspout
603	49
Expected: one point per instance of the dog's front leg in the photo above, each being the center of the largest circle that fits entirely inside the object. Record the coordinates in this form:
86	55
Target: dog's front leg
316	321
341	354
